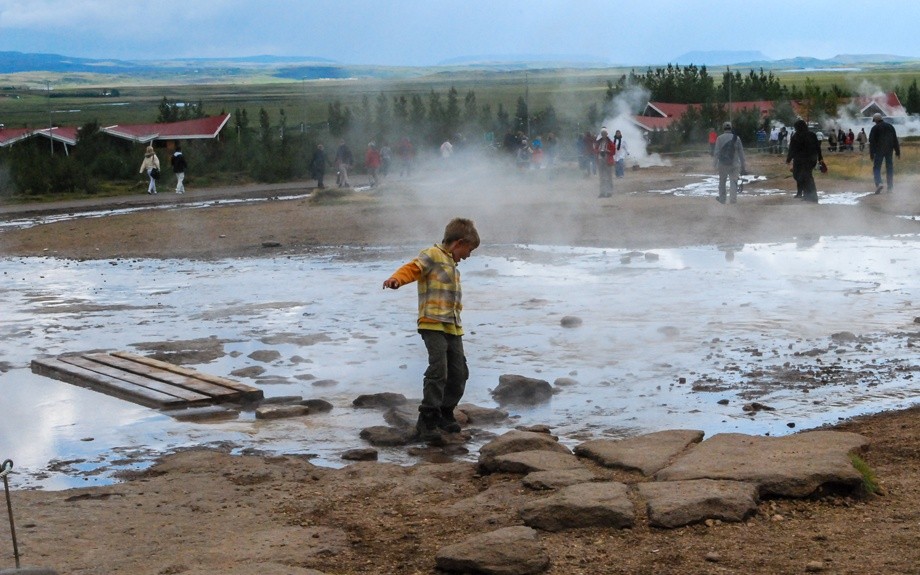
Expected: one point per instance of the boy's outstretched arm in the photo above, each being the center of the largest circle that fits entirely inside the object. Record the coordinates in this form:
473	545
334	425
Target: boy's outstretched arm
404	275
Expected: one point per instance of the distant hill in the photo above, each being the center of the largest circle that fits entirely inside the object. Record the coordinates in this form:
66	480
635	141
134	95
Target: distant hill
521	61
719	58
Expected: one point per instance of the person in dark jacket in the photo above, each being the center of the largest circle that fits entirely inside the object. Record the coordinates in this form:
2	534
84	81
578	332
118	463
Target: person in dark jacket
804	154
883	140
179	165
318	165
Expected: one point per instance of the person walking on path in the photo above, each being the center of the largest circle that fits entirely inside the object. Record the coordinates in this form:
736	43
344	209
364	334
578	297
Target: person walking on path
861	139
318	165
405	152
804	154
439	306
372	163
151	165
343	161
605	149
178	165
619	154
729	160
883	141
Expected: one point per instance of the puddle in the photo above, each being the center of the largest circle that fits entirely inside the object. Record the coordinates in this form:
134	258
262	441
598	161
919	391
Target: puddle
707	185
804	327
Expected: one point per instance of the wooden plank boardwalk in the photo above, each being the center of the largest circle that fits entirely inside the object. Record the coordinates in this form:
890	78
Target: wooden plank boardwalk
145	381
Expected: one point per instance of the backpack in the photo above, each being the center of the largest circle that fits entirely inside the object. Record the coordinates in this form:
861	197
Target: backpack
727	152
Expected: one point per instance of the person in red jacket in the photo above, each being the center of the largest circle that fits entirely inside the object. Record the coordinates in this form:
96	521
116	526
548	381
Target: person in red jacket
372	162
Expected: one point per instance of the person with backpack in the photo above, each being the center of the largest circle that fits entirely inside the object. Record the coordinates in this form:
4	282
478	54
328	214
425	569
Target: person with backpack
729	161
151	165
804	154
178	165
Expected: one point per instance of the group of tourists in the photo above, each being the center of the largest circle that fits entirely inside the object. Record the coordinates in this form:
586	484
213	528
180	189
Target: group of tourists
377	162
804	155
840	141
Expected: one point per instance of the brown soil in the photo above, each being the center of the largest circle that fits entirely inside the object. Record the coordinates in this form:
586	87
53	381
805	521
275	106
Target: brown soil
207	512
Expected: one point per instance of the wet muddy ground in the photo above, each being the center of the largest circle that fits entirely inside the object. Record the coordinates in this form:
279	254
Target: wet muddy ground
669	338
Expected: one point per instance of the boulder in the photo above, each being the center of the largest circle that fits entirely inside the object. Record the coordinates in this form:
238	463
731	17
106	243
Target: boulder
281	411
382	435
379	400
646	453
317	405
360	454
604	504
508	551
678	503
520	390
514	441
478	415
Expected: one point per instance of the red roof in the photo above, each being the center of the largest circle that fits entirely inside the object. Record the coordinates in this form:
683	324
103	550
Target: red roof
888	104
201	128
66	134
9	136
660	115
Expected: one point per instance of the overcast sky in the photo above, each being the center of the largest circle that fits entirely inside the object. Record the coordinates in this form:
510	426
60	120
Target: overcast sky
426	32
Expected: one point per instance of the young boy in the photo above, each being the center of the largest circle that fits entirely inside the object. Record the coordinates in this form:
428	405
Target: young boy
439	307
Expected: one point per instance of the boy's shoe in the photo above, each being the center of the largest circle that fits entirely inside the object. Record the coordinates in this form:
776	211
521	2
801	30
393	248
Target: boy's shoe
426	429
447	422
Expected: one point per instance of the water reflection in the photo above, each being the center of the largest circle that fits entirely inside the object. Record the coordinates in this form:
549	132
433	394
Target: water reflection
665	336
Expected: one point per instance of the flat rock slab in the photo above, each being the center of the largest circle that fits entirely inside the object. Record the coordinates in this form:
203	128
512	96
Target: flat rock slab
677	503
791	466
646	453
521	441
508	551
530	461
383	436
281	411
603	504
539	480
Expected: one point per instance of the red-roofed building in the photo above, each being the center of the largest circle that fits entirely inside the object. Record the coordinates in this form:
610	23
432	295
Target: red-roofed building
885	104
198	129
659	116
9	136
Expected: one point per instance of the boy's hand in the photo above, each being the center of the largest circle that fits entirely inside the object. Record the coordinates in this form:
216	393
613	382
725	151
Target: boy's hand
391	283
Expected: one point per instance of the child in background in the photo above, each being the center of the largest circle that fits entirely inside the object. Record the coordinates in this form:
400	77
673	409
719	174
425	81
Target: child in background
435	270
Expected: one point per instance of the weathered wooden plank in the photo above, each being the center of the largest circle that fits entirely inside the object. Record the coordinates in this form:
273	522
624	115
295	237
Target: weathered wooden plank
247	392
217	392
186	395
75	375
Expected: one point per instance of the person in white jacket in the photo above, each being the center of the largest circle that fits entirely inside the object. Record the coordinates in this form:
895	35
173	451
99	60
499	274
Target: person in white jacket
619	156
151	162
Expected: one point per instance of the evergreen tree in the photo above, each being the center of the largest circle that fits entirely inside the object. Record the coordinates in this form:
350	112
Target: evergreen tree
522	116
912	103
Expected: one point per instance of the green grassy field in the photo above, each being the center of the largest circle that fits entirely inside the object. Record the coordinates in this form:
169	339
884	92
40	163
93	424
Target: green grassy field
24	100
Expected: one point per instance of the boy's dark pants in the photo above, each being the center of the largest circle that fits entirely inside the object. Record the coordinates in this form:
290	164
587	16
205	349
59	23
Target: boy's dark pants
445	378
